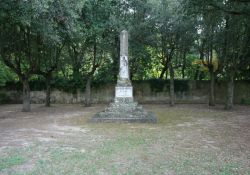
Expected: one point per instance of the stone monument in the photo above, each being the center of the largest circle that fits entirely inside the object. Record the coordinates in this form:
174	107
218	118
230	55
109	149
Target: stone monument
124	108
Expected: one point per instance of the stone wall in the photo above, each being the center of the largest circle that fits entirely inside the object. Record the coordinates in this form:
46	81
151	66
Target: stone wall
144	92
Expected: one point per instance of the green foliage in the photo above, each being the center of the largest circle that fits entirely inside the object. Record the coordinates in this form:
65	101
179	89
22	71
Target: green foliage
4	98
157	85
224	27
39	85
181	85
35	85
245	101
5	75
47	36
13	85
67	85
105	69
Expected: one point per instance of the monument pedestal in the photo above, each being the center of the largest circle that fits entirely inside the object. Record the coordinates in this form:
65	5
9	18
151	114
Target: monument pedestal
124	109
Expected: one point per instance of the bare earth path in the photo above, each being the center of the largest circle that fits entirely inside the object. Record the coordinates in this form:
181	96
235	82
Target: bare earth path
188	139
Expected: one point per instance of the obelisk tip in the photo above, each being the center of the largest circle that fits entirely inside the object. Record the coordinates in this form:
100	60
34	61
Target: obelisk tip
124	31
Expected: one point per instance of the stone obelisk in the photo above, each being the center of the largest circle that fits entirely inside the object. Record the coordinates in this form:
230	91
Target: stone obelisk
124	108
124	89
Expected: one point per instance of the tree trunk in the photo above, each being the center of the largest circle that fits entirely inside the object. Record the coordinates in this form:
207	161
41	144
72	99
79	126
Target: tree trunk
90	76
76	73
76	78
184	65
197	74
172	95
115	55
230	93
163	72
26	95
183	72
88	92
201	75
211	91
48	89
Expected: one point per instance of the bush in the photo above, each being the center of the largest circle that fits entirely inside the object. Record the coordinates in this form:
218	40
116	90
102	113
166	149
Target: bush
158	85
245	101
4	98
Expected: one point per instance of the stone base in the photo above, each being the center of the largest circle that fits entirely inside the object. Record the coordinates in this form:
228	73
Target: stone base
124	111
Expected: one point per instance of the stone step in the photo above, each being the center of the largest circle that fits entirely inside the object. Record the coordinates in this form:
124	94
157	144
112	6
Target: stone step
123	108
124	105
136	116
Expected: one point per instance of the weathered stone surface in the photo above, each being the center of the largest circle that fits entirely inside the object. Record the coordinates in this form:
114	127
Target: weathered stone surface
124	109
123	77
124	91
124	112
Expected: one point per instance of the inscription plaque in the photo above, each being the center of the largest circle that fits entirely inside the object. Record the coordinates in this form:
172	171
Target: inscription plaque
124	92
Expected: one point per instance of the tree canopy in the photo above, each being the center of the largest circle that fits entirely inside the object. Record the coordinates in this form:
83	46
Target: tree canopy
78	41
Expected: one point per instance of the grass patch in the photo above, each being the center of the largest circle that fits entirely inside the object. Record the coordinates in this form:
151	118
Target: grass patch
100	158
185	141
12	159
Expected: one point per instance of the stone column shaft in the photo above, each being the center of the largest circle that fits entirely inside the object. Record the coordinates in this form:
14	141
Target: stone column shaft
124	43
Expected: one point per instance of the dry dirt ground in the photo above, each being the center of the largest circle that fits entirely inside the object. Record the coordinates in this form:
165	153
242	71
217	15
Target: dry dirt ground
188	139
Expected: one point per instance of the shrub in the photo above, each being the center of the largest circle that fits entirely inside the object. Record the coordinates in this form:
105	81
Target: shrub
4	98
245	101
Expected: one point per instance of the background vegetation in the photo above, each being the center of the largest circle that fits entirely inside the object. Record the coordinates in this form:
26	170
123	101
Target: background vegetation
73	43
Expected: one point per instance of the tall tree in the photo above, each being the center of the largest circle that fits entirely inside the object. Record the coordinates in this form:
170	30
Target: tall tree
95	16
233	43
51	40
208	20
175	36
222	26
17	38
